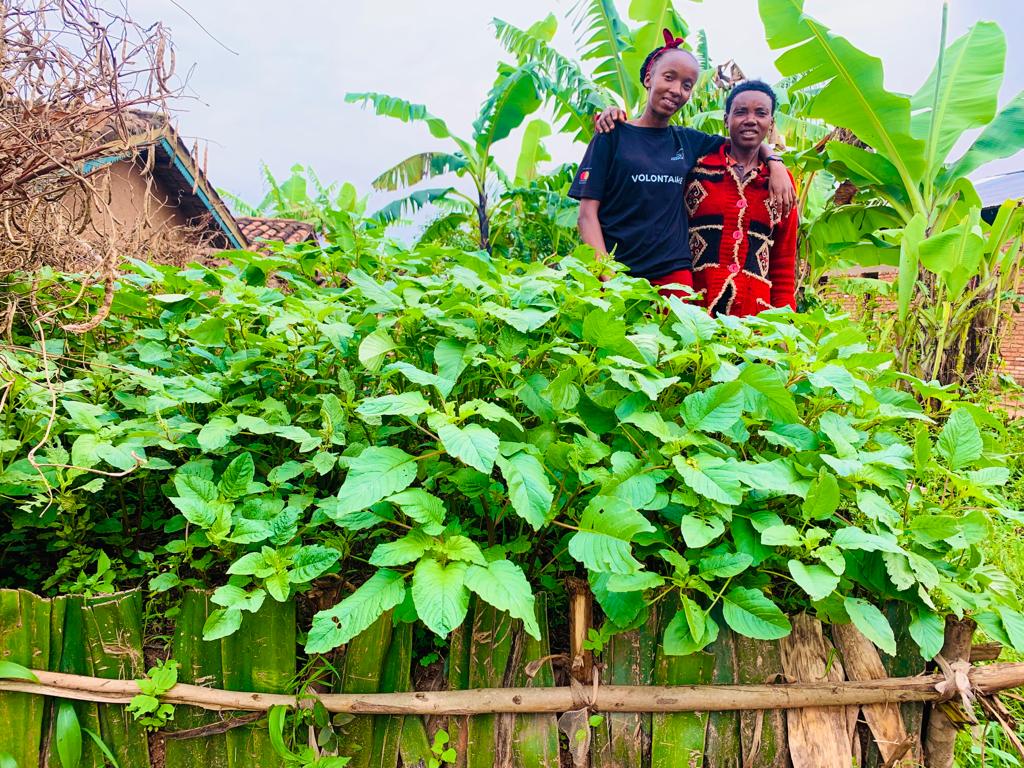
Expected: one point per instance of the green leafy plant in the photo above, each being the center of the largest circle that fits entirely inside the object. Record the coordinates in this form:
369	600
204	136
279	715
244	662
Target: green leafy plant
452	424
68	734
609	46
11	671
303	756
146	707
101	745
441	753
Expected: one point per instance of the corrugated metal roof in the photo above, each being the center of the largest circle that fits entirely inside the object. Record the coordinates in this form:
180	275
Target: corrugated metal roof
996	190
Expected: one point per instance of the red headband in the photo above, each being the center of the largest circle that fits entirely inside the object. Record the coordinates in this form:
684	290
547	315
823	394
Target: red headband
670	41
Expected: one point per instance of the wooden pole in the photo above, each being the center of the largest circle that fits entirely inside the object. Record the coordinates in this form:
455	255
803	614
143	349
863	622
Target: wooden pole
610	698
581	619
581	667
940	736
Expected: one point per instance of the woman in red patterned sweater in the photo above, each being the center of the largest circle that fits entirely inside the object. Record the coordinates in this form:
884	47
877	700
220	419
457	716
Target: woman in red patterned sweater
744	248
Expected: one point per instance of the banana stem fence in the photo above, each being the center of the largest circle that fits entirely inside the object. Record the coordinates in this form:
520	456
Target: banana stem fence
824	697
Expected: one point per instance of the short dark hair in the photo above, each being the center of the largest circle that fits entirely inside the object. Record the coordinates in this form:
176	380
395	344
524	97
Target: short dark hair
751	85
653	56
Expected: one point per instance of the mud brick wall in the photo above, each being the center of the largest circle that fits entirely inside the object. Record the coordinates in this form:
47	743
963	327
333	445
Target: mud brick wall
1011	344
1013	349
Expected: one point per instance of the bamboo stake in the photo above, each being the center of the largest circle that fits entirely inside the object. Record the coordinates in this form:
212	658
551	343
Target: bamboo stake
610	698
488	740
628	659
721	747
200	661
112	647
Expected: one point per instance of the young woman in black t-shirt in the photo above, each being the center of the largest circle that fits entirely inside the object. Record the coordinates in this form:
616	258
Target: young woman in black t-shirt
630	183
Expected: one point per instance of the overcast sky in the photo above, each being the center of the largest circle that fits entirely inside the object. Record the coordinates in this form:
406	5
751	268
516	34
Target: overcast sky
278	94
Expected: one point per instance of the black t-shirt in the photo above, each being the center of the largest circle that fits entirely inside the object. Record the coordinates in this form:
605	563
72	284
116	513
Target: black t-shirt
639	175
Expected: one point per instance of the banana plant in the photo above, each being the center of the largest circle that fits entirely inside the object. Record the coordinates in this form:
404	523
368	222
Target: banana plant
290	198
955	270
511	100
607	45
615	51
572	95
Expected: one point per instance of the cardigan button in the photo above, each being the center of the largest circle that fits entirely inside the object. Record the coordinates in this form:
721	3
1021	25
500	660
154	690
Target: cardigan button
734	268
741	203
737	235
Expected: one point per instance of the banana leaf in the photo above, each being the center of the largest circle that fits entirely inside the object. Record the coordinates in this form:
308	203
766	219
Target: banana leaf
24	639
623	738
511	100
411	203
604	39
532	151
400	109
961	93
1001	138
573	96
364	664
852	92
489	651
534	737
414	169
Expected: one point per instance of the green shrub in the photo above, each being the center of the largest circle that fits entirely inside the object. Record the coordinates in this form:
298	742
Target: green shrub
437	423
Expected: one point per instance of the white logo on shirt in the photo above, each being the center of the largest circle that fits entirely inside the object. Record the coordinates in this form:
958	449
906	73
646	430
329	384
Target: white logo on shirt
657	178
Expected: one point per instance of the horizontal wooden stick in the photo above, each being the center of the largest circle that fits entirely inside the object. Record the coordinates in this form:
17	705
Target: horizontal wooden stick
610	698
985	652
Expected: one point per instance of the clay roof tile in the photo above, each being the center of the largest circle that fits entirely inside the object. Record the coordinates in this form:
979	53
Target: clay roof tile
286	230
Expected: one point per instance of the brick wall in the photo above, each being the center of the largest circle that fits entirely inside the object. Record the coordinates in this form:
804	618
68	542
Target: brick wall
1011	344
1012	348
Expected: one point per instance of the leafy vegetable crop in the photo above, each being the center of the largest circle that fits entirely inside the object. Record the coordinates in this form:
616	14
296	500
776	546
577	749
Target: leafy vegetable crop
422	426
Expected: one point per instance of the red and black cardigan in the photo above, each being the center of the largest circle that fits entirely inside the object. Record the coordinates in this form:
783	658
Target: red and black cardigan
744	252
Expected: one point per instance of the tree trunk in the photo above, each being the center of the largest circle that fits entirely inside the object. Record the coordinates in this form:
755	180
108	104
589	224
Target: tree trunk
484	222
